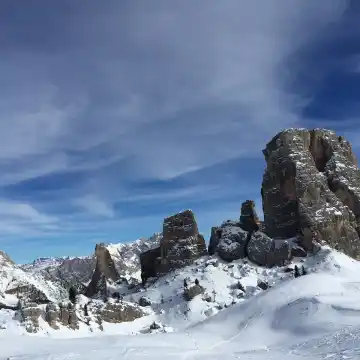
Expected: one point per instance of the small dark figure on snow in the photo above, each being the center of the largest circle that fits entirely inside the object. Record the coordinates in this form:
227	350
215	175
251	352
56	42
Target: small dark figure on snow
86	313
185	284
303	270
196	282
297	272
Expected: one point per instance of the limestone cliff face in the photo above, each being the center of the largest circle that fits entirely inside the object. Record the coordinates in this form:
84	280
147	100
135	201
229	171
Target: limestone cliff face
311	189
180	245
105	269
117	260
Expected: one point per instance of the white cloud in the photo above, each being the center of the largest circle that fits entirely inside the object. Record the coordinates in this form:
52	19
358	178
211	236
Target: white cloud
155	90
22	219
147	87
95	206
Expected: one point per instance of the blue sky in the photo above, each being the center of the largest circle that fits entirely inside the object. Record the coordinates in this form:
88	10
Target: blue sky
115	114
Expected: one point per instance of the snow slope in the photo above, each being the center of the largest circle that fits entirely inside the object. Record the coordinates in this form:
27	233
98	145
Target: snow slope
12	277
316	316
126	256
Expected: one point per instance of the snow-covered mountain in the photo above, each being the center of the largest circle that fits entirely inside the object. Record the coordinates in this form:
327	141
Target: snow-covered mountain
73	270
310	317
66	270
16	283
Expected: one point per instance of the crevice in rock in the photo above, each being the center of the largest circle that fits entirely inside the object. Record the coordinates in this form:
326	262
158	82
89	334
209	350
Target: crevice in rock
319	150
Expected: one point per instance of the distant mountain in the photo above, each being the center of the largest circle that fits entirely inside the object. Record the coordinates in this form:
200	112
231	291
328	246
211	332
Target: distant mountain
67	270
16	283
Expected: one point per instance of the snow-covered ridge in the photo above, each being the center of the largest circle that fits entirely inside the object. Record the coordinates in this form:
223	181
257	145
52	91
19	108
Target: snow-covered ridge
126	256
314	316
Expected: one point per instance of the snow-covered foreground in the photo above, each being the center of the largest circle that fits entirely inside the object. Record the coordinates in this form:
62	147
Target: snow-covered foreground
316	316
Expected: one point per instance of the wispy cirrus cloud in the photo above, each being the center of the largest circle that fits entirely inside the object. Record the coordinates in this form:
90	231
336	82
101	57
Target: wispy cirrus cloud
106	110
95	206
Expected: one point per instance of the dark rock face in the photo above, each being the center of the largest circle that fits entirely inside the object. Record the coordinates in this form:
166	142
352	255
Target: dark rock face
214	239
180	245
144	301
265	251
311	190
98	285
248	219
105	269
232	244
179	226
148	261
114	261
190	293
237	243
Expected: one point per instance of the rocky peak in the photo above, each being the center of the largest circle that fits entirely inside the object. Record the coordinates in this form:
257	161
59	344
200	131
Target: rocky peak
311	189
180	245
5	259
116	260
104	263
180	226
248	217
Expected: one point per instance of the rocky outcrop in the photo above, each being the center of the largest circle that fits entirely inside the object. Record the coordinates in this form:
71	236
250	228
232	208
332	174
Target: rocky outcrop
118	312
105	269
28	292
191	292
265	251
249	221
5	259
150	261
232	243
236	243
214	239
234	240
180	245
30	315
311	190
54	315
114	261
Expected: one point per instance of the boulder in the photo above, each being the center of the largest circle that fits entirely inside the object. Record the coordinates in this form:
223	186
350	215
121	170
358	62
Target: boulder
264	251
298	251
119	312
232	244
191	292
311	190
144	301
